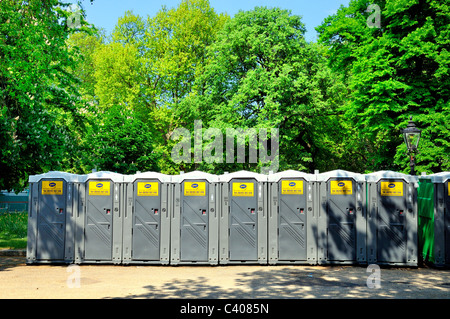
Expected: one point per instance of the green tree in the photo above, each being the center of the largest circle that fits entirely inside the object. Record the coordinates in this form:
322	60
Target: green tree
263	74
117	78
38	94
152	64
398	70
118	142
130	29
177	40
84	46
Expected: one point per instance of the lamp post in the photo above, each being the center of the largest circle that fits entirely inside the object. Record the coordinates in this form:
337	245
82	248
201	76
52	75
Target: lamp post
411	136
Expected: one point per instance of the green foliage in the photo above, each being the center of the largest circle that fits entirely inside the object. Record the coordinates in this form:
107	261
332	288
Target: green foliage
83	46
397	71
263	74
119	143
37	93
78	99
116	75
152	64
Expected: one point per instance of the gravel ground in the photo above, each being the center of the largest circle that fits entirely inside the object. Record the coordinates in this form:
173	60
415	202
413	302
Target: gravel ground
18	280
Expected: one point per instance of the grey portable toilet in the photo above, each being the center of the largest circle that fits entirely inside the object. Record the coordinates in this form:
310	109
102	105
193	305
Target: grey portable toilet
243	218
441	231
292	221
99	215
146	220
392	219
51	220
194	224
342	218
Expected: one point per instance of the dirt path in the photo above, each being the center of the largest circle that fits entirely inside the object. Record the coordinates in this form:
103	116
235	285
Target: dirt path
18	280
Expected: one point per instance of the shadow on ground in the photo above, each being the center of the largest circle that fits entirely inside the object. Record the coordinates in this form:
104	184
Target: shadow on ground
301	283
11	261
262	282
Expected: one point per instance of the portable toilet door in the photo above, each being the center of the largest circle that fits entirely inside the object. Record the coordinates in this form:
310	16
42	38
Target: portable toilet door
146	222
243	218
194	225
50	210
341	220
441	183
425	218
392	219
292	222
100	215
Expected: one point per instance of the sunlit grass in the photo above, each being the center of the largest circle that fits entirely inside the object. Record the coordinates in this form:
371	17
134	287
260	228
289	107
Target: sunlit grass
13	230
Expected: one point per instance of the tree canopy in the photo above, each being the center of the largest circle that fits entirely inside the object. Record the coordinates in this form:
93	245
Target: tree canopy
393	72
38	93
75	98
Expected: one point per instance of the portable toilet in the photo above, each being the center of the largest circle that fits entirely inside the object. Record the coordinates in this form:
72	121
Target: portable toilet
243	218
194	224
292	221
100	216
51	218
434	219
146	220
392	221
342	218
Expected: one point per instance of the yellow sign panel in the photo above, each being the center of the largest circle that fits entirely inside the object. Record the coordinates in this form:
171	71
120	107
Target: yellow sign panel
99	188
391	189
147	189
52	187
341	188
292	187
194	189
243	189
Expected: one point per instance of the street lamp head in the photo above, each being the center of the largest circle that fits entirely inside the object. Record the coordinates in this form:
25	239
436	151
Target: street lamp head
411	135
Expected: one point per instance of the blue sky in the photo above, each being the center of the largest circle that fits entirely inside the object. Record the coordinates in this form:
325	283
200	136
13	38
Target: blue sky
105	13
